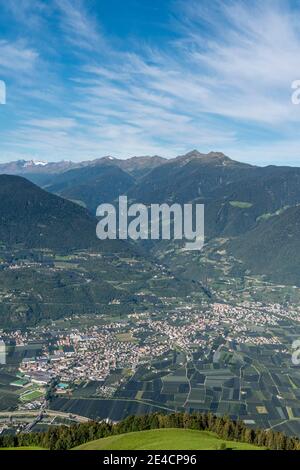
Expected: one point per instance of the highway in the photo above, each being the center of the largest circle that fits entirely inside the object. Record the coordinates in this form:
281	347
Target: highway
37	413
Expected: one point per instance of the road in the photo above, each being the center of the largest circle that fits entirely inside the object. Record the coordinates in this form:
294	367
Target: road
33	413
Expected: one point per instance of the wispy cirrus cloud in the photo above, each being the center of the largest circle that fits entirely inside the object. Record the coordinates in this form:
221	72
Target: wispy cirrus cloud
31	13
17	57
221	80
58	123
80	29
253	60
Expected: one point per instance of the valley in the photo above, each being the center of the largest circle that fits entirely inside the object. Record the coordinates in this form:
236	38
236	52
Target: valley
103	330
149	228
228	359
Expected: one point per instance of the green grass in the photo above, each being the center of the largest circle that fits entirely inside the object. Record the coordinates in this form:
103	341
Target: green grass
125	337
165	439
268	215
241	204
32	395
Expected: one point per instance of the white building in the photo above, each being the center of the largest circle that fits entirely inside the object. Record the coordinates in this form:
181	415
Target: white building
2	352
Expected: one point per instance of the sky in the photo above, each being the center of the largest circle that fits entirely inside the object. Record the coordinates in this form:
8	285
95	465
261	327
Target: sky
90	78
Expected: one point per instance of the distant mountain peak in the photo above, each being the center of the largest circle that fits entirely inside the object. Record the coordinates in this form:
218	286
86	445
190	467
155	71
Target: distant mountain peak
211	157
24	167
217	154
193	153
212	154
29	163
108	158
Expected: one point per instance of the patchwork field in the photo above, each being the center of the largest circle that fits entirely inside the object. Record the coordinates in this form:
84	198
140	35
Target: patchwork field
257	384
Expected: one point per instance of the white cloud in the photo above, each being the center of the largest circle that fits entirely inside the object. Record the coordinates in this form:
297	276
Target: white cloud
225	80
52	124
79	27
242	73
252	57
16	57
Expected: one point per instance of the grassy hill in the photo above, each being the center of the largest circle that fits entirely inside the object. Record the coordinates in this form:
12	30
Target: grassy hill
159	439
165	439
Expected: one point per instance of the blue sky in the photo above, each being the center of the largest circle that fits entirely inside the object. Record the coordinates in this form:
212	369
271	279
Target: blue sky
91	78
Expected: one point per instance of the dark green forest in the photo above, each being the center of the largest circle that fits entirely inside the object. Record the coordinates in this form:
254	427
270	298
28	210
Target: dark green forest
65	438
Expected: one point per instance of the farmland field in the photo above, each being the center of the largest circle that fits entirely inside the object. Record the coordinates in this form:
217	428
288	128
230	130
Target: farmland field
31	395
102	409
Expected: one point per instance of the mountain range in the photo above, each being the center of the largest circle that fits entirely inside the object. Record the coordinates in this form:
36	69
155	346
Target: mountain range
254	209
